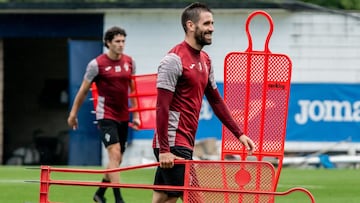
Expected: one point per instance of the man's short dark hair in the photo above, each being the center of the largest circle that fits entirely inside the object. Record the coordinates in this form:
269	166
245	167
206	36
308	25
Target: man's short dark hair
192	12
111	33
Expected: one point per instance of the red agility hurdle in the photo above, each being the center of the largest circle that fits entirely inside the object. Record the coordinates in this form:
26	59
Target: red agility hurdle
145	94
230	181
256	90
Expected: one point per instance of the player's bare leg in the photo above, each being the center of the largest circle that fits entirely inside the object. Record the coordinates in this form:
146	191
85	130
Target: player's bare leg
115	158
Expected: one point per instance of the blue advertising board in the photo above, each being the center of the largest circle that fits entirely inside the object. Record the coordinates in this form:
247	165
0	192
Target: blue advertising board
317	112
324	112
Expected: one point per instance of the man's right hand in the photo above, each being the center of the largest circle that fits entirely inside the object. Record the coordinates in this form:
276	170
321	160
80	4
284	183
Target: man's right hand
72	122
167	159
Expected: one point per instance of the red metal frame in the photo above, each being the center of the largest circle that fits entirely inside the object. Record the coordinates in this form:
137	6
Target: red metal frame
198	187
145	94
256	90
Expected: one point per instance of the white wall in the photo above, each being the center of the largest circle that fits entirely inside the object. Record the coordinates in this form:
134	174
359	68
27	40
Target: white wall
151	33
323	47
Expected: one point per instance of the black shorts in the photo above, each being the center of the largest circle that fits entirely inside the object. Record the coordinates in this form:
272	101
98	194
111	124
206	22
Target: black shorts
172	176
113	132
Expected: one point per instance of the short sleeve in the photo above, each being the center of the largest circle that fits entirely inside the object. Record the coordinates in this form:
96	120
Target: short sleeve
169	70
92	71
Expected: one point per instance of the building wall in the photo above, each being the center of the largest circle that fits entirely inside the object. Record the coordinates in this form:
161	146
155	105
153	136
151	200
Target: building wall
36	110
322	46
1	99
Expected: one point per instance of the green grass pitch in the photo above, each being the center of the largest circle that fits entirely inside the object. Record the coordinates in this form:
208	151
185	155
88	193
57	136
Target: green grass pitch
327	186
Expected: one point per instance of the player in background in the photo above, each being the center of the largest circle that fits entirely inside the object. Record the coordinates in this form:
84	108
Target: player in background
111	71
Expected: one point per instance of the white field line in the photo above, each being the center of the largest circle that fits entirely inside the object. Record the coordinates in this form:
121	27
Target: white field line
284	186
9	181
288	186
6	181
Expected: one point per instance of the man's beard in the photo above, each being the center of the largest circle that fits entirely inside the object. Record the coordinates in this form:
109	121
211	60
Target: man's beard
200	38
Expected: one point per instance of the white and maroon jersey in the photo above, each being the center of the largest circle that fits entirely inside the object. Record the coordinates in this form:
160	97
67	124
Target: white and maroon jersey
186	72
112	78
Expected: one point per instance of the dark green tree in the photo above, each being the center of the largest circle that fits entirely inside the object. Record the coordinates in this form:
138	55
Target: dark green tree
331	4
337	4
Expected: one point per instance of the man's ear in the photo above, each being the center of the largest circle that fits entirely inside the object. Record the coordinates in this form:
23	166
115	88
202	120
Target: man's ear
107	42
190	26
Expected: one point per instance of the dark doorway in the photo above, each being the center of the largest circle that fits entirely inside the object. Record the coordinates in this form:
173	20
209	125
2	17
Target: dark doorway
36	98
35	54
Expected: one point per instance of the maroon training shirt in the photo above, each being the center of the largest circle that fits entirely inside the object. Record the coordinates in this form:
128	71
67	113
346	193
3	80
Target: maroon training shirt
112	78
185	72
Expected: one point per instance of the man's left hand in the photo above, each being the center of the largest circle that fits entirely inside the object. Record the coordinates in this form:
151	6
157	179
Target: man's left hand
135	124
248	143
